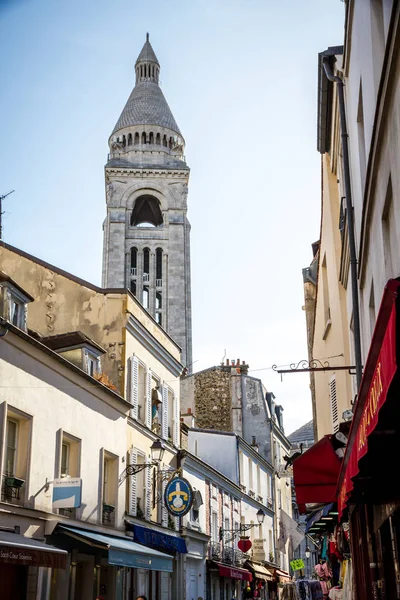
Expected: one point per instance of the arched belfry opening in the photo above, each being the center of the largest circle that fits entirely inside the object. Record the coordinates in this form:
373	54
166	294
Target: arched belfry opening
146	212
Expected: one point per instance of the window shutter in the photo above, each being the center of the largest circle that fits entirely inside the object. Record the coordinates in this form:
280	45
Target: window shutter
164	512
165	412
334	404
148	473
176	420
134	386
132	485
148	398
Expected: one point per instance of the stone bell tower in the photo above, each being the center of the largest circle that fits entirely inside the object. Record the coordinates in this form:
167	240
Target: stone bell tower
146	230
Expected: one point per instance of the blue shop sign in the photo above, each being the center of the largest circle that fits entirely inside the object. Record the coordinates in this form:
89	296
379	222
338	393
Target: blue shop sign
178	496
156	539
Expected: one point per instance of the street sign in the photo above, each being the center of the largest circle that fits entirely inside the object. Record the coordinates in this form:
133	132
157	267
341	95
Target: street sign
67	492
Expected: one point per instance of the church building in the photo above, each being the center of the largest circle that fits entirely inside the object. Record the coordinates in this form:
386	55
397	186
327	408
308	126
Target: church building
146	230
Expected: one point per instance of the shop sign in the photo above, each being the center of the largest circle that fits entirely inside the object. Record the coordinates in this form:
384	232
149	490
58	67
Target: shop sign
297	564
178	496
259	550
156	539
67	492
385	369
235	573
32	558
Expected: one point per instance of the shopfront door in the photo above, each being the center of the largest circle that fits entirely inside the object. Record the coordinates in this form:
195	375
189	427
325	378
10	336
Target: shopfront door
13	580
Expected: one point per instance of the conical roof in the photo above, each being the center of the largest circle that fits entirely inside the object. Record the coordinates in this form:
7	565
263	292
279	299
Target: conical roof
147	106
147	53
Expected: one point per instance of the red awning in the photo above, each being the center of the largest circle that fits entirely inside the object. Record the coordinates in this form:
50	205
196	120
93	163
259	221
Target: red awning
234	572
315	474
380	368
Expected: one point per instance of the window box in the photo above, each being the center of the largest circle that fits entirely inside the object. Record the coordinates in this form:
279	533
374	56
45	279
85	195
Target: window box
14	482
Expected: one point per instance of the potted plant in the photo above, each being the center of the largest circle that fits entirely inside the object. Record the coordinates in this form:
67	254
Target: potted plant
14	482
108	508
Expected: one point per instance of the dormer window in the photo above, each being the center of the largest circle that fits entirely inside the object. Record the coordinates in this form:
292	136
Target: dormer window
13	301
79	349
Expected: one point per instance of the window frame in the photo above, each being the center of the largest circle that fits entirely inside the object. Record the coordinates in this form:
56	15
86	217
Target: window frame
15	450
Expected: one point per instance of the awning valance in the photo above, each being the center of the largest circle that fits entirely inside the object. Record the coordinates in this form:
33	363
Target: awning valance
283	576
157	539
379	371
259	571
233	572
17	549
123	552
315	474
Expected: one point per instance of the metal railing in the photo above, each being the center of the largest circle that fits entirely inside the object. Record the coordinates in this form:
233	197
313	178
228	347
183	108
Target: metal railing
146	277
215	550
158	282
133	271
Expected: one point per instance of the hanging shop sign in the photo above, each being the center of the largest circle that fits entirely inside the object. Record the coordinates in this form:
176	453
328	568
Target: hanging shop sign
67	492
178	496
297	564
244	544
259	550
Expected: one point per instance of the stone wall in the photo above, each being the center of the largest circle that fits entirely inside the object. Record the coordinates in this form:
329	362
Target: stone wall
213	408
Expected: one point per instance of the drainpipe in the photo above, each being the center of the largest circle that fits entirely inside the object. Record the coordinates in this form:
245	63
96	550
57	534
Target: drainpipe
350	219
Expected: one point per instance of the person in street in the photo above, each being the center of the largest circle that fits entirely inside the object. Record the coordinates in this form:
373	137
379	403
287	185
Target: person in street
141	598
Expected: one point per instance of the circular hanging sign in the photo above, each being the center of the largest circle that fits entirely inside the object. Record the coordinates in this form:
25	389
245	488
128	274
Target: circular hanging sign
178	496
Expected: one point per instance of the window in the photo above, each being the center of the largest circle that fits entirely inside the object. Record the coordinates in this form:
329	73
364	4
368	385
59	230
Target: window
64	459
146	212
145	297
92	363
372	315
361	136
11	451
214	527
250	467
325	291
258	480
109	487
17	312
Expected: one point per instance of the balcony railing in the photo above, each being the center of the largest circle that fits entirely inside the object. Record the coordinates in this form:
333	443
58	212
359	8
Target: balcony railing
215	550
11	489
133	271
228	555
146	277
158	282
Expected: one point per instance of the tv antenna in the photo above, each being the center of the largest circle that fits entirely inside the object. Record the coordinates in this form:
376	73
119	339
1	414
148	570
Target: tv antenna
1	211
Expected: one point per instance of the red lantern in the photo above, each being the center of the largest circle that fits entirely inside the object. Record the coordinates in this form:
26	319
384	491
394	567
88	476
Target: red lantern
244	544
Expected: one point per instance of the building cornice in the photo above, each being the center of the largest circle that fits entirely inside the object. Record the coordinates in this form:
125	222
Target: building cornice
156	349
148	173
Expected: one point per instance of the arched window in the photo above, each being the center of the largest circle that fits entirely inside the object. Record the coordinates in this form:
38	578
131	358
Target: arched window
159	318
133	262
151	138
145	70
137	138
130	139
141	70
159	267
146	212
133	287
123	141
143	137
171	141
165	143
145	297
158	300
146	264
158	139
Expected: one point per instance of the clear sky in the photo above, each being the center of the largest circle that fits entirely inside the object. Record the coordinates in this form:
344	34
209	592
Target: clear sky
241	79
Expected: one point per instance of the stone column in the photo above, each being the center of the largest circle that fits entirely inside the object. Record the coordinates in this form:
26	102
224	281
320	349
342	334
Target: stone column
139	278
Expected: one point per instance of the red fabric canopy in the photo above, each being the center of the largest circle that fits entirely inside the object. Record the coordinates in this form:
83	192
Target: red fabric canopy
234	572
380	368
315	474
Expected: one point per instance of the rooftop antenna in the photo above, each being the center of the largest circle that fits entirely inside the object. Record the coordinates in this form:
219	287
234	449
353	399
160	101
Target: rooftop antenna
2	213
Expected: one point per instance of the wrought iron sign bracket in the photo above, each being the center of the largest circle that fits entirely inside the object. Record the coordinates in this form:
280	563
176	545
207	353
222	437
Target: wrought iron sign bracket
305	366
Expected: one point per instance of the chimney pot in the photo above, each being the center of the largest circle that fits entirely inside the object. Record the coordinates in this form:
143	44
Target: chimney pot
189	411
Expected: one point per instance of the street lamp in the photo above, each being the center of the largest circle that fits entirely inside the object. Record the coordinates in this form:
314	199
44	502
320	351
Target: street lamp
231	533
157	450
308	553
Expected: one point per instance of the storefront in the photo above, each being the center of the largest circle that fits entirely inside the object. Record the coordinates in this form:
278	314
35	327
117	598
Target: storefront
25	561
114	568
368	486
225	582
263	580
170	583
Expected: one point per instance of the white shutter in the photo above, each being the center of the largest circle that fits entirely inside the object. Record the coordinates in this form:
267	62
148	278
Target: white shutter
334	404
134	386
164	412
132	485
164	512
176	420
148	399
148	473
